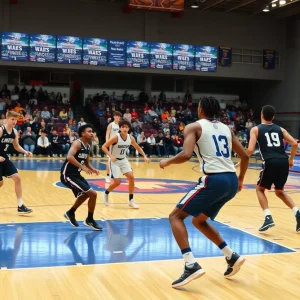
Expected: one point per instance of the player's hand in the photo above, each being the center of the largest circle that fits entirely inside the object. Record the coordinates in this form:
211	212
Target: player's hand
113	158
86	170
146	159
240	181
2	159
163	163
27	153
291	163
237	165
95	171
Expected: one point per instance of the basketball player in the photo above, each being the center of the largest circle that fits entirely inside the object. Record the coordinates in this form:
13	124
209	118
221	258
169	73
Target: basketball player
8	137
213	142
77	160
111	131
118	161
276	163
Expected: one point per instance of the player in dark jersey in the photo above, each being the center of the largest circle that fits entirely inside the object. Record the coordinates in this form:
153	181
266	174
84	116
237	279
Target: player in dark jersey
8	138
276	163
78	160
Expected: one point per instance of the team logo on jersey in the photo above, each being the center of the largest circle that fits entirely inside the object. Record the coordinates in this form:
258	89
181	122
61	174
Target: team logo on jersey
160	186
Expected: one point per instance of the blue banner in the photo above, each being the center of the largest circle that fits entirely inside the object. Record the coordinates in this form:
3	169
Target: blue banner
42	48
138	54
69	50
161	55
183	57
117	53
269	59
94	52
225	56
15	46
206	59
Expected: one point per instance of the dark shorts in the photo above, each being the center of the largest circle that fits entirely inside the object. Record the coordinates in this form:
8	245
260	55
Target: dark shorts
77	184
7	169
274	171
209	195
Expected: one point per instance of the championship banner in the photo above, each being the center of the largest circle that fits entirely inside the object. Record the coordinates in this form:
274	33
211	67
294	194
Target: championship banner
15	46
160	5
161	56
225	56
94	52
183	57
269	59
42	48
117	53
206	59
69	50
138	54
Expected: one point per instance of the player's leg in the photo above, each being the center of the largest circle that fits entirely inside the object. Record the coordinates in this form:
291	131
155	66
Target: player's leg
108	173
129	174
90	222
12	172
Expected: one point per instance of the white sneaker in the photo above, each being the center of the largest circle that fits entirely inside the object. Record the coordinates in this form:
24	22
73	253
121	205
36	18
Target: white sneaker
132	204
107	179
105	198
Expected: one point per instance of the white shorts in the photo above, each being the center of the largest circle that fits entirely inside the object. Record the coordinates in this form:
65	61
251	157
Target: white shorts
119	167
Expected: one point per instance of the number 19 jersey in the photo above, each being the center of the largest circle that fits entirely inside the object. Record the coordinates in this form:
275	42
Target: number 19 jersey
214	147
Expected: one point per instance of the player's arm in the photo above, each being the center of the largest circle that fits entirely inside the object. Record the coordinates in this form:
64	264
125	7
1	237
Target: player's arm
241	152
17	145
252	141
1	133
139	149
294	146
190	139
108	131
76	146
106	146
89	166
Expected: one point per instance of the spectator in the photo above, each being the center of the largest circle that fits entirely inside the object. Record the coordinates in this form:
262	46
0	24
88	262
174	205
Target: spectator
65	99
95	146
63	115
142	142
65	142
166	130
24	93
43	145
2	120
29	139
162	98
177	144
187	96
104	96
151	141
2	106
40	94
165	115
113	97
56	146
20	120
160	145
14	98
159	111
152	113
127	115
146	108
81	122
18	108
46	96
70	113
52	97
147	118
35	126
74	126
73	136
59	98
107	113
32	101
125	96
168	145
181	127
122	109
67	129
6	91
54	115
173	112
113	108
134	114
45	114
222	104
188	118
32	92
143	98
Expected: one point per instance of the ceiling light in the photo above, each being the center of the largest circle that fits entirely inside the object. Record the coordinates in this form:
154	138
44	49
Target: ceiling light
266	9
196	4
282	2
274	4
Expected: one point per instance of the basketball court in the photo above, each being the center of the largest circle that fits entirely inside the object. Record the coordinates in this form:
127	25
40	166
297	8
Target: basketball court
136	256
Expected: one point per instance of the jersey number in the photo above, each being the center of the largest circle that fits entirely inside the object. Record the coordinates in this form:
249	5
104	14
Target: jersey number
122	151
82	162
6	147
221	142
272	139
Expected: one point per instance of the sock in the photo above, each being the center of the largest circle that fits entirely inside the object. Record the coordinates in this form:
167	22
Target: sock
72	210
106	192
267	212
226	250
295	210
188	257
130	197
20	202
107	175
90	216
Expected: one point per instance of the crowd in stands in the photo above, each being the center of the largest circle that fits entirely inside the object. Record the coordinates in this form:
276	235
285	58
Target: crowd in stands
46	124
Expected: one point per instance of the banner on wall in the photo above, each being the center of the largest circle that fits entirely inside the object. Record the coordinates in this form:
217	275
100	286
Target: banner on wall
225	56
42	48
138	54
183	57
269	59
15	46
206	58
69	50
117	53
161	56
94	51
161	5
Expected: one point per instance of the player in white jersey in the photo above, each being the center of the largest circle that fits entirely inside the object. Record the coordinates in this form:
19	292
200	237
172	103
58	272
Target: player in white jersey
111	131
213	142
119	164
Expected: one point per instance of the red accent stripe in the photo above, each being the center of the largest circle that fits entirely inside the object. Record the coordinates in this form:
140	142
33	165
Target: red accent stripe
193	196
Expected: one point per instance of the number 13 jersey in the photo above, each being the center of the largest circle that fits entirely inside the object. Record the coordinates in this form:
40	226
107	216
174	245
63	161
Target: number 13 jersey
270	141
214	147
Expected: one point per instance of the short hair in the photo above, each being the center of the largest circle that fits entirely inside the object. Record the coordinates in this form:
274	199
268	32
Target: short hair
43	131
210	106
12	114
83	128
268	112
124	122
117	113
